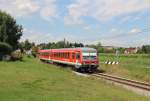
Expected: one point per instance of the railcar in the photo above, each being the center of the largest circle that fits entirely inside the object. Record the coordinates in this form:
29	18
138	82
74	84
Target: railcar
81	59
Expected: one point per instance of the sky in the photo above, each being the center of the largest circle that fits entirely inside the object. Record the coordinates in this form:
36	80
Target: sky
112	22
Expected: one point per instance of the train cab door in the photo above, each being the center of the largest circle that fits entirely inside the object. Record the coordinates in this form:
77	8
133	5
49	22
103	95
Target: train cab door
73	57
77	58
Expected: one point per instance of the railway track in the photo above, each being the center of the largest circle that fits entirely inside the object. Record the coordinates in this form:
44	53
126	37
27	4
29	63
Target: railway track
124	81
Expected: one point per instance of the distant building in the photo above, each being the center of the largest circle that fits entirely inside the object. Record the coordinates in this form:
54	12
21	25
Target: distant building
108	47
130	50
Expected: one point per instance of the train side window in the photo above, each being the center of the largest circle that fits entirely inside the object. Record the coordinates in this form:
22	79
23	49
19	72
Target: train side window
68	55
77	55
63	55
60	55
73	55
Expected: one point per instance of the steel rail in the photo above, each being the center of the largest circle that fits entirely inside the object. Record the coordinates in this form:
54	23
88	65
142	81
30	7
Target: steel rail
133	83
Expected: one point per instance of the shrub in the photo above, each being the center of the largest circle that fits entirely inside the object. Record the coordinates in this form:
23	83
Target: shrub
5	49
17	55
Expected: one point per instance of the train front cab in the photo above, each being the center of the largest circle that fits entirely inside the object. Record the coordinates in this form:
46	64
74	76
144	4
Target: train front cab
87	61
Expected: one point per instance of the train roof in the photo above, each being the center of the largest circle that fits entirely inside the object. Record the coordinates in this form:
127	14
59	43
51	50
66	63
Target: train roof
78	48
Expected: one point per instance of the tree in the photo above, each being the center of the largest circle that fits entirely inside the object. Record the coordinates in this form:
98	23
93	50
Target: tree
34	50
10	31
27	45
99	44
5	48
146	49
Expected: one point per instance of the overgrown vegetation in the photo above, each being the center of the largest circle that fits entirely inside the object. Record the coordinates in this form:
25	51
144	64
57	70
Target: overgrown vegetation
133	66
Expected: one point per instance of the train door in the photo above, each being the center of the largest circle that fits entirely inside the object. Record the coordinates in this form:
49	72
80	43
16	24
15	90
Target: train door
73	57
77	58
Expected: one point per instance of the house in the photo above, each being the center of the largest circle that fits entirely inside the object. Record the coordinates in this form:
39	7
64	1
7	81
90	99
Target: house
130	50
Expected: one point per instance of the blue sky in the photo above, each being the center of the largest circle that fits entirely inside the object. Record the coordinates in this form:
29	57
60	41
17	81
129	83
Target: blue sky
111	22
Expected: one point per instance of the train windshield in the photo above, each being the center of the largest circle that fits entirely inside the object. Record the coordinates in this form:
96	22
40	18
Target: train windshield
89	55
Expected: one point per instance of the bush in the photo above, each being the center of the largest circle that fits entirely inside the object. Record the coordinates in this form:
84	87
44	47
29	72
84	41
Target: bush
16	56
5	49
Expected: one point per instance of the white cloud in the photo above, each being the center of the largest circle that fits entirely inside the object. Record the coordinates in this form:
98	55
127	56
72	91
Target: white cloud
21	8
48	10
87	28
135	31
104	9
113	30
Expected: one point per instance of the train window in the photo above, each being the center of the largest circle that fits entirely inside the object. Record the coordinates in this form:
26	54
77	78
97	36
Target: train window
73	55
68	55
60	55
65	55
77	55
54	54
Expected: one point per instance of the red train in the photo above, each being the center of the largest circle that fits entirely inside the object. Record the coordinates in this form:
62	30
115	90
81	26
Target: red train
81	59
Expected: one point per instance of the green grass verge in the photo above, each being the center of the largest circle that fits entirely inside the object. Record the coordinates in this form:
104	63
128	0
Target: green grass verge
32	80
134	66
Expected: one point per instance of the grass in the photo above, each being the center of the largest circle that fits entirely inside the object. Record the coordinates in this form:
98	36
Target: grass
32	80
134	66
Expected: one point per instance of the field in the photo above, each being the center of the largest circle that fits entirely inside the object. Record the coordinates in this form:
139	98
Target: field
32	80
134	66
